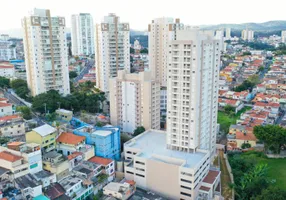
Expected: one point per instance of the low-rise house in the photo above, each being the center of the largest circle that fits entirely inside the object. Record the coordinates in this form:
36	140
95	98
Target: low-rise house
76	188
5	180
6	69
105	139
88	170
120	190
67	143
56	192
65	115
6	109
56	163
30	152
75	158
107	164
45	178
16	164
12	126
45	136
236	104
29	186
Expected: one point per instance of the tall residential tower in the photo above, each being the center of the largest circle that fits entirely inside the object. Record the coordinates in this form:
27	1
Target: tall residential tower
45	48
112	51
82	34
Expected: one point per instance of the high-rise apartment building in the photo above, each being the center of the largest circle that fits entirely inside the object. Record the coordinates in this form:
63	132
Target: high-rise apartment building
82	34
176	163
247	35
160	32
45	48
219	35
134	101
111	50
7	51
192	91
228	33
283	36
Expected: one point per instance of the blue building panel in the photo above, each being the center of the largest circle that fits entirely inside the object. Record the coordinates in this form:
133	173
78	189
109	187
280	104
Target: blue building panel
106	140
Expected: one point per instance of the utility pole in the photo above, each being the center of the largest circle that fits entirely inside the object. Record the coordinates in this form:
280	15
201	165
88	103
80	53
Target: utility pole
45	108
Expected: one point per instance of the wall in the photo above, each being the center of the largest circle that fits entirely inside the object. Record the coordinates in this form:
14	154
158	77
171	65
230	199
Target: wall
4	111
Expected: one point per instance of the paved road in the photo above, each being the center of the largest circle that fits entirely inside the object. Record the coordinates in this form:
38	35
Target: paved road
89	63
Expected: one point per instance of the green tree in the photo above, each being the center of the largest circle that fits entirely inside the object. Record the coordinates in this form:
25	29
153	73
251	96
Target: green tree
132	51
26	112
51	117
72	74
4	140
245	145
21	89
145	50
18	83
246	53
50	99
4	82
261	69
229	110
273	137
254	79
272	193
138	130
99	124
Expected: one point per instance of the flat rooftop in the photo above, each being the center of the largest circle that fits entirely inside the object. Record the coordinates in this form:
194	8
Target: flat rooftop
153	142
102	133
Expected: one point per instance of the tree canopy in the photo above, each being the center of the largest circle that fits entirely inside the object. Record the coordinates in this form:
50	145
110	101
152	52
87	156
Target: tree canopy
72	74
4	82
139	130
272	193
21	89
273	136
26	112
248	84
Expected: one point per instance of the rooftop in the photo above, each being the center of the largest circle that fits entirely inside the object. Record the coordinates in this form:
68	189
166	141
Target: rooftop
102	133
5	104
64	111
41	197
26	181
117	187
4	155
74	155
54	191
43	174
45	130
70	138
3	171
211	176
153	142
69	181
100	160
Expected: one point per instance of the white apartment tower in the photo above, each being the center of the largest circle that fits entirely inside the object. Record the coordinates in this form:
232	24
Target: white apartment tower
111	50
82	34
193	73
161	32
45	48
228	33
283	36
134	101
247	35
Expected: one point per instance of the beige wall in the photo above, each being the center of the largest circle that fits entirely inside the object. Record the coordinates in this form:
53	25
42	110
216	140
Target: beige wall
163	178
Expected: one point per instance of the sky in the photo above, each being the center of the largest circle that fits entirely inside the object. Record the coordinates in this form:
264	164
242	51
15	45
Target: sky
139	13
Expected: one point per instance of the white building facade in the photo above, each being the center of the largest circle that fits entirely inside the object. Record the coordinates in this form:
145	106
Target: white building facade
45	48
283	36
82	34
134	101
112	51
7	51
160	32
247	35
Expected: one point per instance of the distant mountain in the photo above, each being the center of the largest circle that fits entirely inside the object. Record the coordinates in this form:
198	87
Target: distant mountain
265	26
136	32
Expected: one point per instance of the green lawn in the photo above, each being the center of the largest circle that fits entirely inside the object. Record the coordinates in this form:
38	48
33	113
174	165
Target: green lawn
277	168
225	120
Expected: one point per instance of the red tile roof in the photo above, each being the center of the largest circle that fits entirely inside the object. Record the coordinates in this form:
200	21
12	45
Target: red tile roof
4	155
74	155
5	104
205	188
7	118
100	160
211	177
131	182
70	138
248	136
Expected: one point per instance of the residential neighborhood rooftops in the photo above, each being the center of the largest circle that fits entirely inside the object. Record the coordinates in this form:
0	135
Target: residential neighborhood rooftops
245	136
70	138
55	191
26	181
45	130
102	133
4	155
74	155
5	104
43	174
100	160
3	171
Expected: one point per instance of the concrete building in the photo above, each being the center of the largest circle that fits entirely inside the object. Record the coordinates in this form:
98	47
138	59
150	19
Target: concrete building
46	55
247	35
30	152
219	35
82	34
106	140
7	50
12	126
67	143
65	115
120	190
182	155
283	36
44	135
76	188
228	33
108	166
160	32
6	109
7	70
29	186
134	101
112	51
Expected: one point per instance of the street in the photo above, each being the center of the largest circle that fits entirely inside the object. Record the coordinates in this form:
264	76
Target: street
89	63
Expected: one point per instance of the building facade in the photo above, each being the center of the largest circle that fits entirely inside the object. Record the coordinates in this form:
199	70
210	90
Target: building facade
160	32
194	62
134	101
7	50
45	48
228	33
283	36
82	34
247	35
7	70
182	155
111	50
